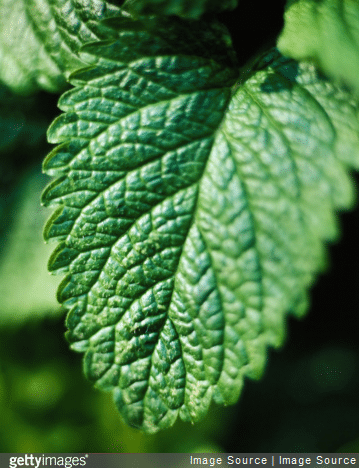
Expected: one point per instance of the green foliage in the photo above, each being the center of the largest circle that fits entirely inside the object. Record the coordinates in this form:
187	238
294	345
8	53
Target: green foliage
22	254
188	231
126	235
194	195
184	8
40	40
326	32
25	285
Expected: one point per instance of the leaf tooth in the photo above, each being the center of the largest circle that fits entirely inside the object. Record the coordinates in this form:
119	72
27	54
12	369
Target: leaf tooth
80	346
70	125
63	191
57	161
55	132
73	318
61	258
46	197
71	286
60	223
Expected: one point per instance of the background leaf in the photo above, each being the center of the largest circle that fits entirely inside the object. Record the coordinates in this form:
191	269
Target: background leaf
40	40
25	285
26	288
326	32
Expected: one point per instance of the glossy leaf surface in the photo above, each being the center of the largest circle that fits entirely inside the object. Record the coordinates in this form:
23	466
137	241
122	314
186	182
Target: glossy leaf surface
193	211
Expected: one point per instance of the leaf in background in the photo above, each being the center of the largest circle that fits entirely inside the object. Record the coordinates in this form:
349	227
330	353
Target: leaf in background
189	231
326	32
26	288
22	140
40	40
184	8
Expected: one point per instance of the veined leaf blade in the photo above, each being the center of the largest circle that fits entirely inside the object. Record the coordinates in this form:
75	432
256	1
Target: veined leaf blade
188	231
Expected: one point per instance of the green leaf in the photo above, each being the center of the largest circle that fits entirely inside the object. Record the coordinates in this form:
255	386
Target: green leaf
40	40
184	8
26	288
192	212
22	138
326	32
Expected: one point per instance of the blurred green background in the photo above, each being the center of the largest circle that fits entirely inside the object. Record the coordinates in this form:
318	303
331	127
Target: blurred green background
307	400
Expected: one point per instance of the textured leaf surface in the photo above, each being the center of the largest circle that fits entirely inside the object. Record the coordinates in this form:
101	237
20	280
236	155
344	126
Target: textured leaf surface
40	40
190	221
327	32
184	8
